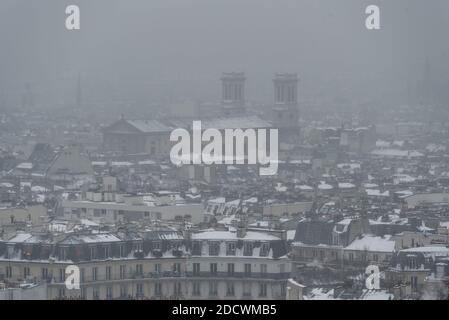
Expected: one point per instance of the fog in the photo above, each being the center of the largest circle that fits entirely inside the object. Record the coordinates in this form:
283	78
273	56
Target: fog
174	50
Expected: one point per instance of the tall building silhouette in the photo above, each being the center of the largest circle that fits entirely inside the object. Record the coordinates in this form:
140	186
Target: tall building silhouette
233	93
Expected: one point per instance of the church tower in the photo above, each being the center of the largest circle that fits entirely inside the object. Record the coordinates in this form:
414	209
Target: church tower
286	109
233	93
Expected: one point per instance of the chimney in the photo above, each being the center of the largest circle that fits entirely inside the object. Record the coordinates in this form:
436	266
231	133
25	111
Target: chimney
242	228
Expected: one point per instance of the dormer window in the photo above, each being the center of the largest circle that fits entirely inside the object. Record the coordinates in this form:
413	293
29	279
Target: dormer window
214	248
248	249
230	249
93	253
122	250
157	245
63	253
196	248
264	249
107	251
137	246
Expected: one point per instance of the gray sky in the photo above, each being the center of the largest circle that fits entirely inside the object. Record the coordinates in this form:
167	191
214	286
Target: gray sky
151	49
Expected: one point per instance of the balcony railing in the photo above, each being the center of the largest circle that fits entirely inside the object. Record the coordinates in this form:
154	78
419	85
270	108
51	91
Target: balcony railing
239	275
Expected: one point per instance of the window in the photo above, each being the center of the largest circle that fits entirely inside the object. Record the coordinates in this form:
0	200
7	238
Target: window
177	268
93	253
230	269
247	289
44	273
122	250
122	272
26	272
139	289
247	269
177	289
213	268
157	245
61	292
82	275
137	246
351	256
196	268
94	273
264	249
108	272
213	288
61	275
282	268
63	253
230	289
139	269
157	268
123	291
196	250
83	293
8	272
262	289
109	293
107	252
414	283
95	294
248	249
214	248
375	257
412	263
230	249
158	289
263	268
196	288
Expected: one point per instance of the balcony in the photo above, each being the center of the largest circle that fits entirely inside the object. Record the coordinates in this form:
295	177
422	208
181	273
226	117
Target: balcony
239	275
127	277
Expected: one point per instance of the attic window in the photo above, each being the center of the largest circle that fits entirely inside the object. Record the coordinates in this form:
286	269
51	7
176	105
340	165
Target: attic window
214	248
230	249
248	249
264	249
157	245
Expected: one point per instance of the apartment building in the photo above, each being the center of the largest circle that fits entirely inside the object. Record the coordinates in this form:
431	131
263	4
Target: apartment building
149	264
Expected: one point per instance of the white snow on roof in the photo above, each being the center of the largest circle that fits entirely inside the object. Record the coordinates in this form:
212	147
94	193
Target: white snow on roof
370	185
121	164
101	237
291	235
227	235
304	187
25	165
346	185
443	250
377	193
402	178
397	153
146	162
373	243
149	126
347	166
20	237
376	295
324	186
6	185
99	163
